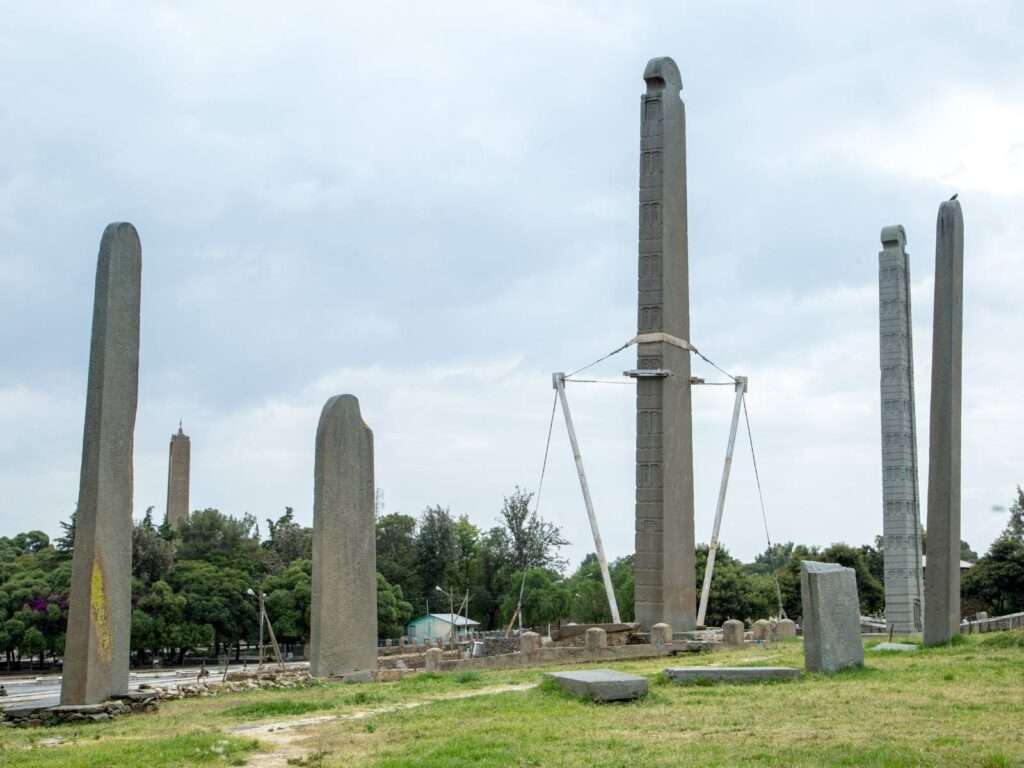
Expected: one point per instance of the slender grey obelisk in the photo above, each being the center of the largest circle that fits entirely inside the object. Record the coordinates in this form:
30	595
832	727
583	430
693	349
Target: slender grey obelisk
99	615
942	574
664	567
344	612
901	522
178	478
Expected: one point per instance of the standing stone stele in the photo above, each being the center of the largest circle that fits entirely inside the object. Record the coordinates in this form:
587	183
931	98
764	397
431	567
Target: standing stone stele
785	629
761	630
733	632
529	643
596	640
99	612
661	634
665	571
178	470
432	660
344	610
901	522
942	574
831	617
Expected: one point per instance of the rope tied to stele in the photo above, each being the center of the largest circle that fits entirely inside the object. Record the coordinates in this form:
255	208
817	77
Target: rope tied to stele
654	338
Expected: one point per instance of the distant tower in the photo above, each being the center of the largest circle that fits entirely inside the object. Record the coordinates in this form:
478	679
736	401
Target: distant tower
177	478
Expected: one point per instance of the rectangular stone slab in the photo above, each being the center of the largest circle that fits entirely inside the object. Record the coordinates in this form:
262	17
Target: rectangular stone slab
730	674
901	647
601	684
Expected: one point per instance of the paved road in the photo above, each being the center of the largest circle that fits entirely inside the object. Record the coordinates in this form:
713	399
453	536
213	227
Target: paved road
44	691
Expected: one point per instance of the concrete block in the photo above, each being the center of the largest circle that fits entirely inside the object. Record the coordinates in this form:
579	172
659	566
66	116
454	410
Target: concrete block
831	617
432	660
601	684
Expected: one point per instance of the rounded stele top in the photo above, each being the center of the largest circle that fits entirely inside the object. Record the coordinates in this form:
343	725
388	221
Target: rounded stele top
663	73
894	233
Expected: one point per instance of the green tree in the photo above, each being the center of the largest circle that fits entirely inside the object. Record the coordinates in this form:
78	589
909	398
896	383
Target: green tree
212	537
997	580
534	541
152	555
393	610
289	595
219	597
288	541
435	550
397	555
546	598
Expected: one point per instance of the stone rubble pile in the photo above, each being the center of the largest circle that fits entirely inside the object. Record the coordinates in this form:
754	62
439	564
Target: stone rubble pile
147	699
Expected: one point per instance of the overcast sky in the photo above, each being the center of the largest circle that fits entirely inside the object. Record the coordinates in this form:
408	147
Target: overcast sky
433	206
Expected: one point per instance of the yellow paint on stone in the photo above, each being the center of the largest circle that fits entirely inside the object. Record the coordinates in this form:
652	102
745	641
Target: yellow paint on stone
99	612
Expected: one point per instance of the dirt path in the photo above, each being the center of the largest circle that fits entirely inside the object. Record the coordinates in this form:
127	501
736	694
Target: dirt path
285	736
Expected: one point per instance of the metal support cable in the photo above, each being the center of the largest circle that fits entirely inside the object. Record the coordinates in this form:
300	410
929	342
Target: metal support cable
536	505
764	512
600	359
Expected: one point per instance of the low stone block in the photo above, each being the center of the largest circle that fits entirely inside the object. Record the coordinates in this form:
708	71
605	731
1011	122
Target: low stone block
898	647
761	630
831	617
785	629
733	632
529	643
601	684
730	674
596	639
661	635
432	660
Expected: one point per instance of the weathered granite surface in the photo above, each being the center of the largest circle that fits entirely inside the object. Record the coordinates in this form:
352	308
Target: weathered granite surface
343	617
942	575
100	609
733	632
785	629
831	617
665	573
901	521
601	684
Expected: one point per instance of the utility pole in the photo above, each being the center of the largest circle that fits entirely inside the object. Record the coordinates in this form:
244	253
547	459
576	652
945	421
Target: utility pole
558	382
262	614
741	390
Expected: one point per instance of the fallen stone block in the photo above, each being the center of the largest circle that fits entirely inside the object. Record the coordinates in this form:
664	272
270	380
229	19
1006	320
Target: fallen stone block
601	684
898	647
730	674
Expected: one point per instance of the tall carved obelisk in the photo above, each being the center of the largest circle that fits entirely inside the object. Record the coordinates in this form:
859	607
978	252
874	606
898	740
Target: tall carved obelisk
100	605
664	566
901	522
942	574
178	478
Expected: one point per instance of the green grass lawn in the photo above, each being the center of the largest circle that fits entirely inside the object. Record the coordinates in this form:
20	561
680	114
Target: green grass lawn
957	706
